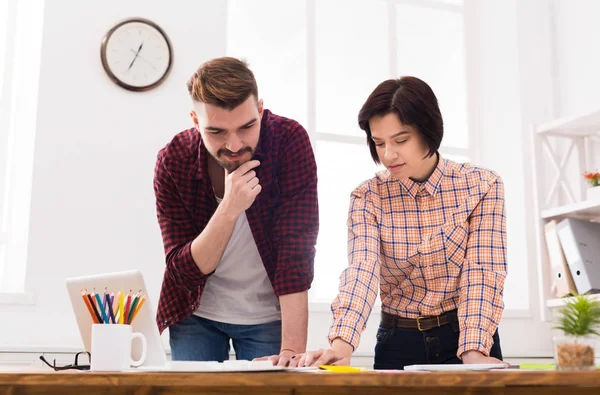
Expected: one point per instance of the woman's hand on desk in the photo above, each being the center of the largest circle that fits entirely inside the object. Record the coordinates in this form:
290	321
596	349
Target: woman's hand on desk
473	356
339	353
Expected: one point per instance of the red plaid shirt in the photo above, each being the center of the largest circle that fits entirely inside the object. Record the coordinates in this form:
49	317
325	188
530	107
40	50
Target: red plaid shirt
284	218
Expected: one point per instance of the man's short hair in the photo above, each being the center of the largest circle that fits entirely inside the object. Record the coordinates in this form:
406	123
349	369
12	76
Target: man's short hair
224	82
413	102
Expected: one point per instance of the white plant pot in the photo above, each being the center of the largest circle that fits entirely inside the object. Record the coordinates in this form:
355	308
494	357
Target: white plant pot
593	193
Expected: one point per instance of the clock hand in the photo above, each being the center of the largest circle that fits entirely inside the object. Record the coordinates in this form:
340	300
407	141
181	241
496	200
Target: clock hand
131	64
136	55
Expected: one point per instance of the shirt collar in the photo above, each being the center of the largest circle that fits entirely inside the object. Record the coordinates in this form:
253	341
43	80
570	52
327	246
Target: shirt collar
431	185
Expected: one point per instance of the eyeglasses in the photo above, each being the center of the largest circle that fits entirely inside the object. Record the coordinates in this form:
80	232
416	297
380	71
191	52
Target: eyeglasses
75	365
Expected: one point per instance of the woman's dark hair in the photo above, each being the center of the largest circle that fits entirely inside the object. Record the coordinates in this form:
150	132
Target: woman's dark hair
415	104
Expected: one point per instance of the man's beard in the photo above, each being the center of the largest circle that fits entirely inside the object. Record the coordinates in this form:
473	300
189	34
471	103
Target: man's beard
231	166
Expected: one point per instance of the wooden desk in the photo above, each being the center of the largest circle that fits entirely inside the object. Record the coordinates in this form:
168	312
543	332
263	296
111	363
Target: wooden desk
376	383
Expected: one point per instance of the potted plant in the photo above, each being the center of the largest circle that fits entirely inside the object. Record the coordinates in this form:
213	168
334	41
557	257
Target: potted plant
593	179
579	320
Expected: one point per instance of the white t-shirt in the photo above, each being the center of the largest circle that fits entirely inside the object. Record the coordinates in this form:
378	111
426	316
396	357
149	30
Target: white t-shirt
239	291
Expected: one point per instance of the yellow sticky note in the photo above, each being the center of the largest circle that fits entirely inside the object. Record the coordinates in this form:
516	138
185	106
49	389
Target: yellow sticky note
340	369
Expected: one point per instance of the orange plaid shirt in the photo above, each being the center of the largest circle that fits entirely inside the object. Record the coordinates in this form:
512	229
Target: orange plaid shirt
432	247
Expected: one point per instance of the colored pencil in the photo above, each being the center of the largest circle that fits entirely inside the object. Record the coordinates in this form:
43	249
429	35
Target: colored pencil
93	304
121	308
137	310
101	308
105	304
127	306
109	300
116	306
133	306
89	307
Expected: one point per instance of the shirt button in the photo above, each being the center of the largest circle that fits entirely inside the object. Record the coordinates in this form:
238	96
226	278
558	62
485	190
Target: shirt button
165	322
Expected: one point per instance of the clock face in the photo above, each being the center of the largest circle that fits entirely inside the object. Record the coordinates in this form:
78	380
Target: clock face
136	54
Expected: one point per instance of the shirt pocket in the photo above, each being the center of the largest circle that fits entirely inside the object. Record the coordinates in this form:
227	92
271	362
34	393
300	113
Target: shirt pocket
441	256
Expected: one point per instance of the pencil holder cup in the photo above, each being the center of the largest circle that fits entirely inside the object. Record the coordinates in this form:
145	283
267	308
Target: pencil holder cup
111	348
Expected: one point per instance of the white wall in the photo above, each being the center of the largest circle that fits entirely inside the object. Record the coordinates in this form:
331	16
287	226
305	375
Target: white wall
578	70
576	32
92	204
495	72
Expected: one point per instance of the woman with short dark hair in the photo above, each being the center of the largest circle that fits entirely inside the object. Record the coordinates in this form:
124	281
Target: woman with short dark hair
429	235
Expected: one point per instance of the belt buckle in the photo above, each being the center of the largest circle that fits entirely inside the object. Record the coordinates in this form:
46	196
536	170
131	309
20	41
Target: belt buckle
419	323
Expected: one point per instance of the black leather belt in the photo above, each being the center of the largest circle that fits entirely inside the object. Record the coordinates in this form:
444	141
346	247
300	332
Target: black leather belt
421	323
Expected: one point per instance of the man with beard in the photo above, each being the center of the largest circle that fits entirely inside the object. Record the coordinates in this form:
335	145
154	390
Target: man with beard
236	200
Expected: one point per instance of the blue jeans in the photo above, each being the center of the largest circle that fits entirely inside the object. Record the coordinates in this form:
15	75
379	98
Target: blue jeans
201	339
397	347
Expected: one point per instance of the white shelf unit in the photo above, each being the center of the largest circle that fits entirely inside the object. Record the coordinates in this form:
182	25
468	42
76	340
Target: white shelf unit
587	210
561	302
577	126
554	144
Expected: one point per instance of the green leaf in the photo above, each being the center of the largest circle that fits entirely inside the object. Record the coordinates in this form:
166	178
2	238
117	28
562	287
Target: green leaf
579	317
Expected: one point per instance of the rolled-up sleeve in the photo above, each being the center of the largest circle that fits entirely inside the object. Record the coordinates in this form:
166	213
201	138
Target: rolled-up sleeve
484	271
359	282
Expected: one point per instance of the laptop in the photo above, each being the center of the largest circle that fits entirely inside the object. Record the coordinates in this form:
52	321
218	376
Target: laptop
143	323
156	357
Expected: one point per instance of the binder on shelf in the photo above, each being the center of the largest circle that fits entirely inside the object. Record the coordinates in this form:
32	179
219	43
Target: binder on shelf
562	280
580	241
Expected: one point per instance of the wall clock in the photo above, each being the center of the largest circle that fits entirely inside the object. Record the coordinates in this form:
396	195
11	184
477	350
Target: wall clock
136	54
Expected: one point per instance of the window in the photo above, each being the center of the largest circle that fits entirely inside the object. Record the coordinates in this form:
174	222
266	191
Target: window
20	47
317	62
431	47
358	46
351	58
275	49
3	31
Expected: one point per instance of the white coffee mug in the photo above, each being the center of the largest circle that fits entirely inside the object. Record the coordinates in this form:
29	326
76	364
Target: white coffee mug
111	348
